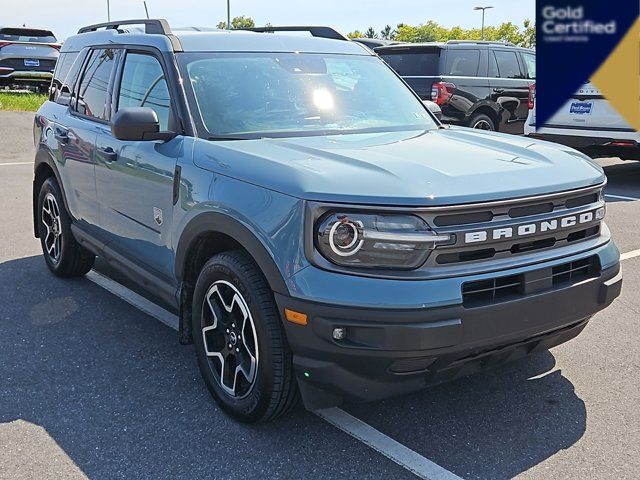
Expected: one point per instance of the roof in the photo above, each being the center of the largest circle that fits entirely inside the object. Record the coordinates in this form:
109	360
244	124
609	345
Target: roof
157	33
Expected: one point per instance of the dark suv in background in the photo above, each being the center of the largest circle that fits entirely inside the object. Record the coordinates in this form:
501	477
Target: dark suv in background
27	57
485	85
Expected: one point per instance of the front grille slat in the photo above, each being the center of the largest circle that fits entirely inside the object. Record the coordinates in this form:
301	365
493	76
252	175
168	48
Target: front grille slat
502	289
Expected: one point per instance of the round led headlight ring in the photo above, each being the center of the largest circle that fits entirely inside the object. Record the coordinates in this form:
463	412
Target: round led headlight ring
346	238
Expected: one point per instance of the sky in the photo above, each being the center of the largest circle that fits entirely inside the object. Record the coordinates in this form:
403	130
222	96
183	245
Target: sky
64	17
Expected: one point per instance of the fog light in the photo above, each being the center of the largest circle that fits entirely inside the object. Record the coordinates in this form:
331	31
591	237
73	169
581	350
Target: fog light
600	213
339	333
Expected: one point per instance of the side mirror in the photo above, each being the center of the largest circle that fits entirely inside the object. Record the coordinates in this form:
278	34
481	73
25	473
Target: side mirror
138	124
433	108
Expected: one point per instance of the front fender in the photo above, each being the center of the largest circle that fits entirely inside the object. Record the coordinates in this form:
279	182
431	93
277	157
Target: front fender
215	222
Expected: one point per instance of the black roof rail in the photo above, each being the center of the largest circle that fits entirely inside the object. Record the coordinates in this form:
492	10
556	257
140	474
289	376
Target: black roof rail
158	26
483	42
323	32
151	25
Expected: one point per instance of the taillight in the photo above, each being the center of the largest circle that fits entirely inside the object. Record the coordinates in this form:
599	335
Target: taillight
441	92
57	46
532	96
4	44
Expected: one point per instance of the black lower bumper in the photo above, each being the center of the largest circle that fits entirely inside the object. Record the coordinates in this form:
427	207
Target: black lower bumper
391	352
595	147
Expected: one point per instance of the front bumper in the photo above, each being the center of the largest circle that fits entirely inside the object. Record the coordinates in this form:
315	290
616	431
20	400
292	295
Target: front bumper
389	351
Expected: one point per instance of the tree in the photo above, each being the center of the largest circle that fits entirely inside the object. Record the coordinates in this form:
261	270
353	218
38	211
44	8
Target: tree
434	32
388	33
370	33
529	34
355	34
238	22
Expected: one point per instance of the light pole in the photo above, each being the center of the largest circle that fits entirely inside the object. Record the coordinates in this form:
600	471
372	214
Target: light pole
228	14
108	12
483	9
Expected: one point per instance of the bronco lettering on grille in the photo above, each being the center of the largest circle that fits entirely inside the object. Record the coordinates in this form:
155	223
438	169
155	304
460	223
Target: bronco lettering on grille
531	228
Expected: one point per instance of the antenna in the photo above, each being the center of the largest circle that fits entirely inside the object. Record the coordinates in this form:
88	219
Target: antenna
146	10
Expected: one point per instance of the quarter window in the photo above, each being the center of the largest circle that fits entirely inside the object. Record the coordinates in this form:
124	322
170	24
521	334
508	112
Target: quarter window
530	62
93	90
462	63
145	85
508	66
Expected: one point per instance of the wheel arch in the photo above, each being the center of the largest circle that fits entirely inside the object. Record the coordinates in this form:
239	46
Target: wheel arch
44	168
493	112
205	235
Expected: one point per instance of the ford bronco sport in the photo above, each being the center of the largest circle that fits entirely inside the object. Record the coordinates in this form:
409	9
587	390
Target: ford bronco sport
319	231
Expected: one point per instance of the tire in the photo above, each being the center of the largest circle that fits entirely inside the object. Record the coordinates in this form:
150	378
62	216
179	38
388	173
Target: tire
240	344
480	121
63	255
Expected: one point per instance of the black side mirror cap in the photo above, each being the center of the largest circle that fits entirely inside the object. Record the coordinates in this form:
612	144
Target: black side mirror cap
137	124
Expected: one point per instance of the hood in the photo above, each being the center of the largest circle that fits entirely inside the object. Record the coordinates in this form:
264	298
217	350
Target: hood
424	168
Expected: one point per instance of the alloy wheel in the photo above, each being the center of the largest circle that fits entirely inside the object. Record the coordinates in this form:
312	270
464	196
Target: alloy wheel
230	340
483	125
53	223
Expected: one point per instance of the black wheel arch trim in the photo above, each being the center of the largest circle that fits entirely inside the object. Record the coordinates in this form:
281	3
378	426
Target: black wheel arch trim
480	107
44	156
214	222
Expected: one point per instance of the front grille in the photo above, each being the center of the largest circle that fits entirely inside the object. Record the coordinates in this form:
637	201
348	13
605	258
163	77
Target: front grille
499	223
18	65
503	289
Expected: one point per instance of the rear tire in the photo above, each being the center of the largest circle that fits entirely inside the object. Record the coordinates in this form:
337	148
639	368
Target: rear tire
480	121
63	255
240	344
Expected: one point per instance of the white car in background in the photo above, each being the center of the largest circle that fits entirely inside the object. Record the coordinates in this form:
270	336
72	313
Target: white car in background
588	122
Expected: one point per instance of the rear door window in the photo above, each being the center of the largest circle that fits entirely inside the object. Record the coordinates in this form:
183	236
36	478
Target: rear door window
144	84
508	66
414	64
462	63
93	92
530	63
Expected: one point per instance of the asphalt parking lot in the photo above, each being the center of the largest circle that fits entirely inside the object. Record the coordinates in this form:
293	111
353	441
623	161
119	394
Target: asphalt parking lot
91	386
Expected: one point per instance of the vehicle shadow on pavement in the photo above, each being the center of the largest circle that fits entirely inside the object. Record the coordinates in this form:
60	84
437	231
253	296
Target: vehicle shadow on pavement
495	424
123	399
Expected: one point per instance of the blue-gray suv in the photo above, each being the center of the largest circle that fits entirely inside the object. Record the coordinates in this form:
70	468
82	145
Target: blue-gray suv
320	232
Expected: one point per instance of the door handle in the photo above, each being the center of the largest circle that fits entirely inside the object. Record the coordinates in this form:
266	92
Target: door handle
61	135
498	90
108	153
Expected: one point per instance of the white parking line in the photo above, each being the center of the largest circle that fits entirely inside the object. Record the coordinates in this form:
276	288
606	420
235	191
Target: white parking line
15	163
631	254
621	197
387	446
138	301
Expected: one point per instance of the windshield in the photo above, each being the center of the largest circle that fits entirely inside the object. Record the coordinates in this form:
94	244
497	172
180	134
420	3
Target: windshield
253	95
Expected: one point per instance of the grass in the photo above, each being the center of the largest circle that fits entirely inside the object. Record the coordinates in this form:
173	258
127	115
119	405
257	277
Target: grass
29	102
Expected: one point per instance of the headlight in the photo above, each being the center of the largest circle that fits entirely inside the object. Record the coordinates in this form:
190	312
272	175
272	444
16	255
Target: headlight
376	241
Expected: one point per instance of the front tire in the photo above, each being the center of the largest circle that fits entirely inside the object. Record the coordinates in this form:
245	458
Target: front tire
239	340
63	255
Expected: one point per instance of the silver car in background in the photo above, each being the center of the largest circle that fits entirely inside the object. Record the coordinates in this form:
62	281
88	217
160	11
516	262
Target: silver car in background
27	57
